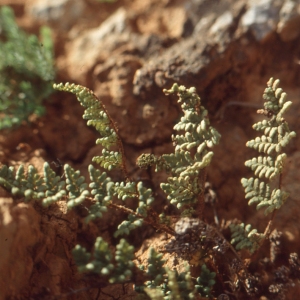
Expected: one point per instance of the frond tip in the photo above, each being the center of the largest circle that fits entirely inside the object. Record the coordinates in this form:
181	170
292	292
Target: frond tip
97	116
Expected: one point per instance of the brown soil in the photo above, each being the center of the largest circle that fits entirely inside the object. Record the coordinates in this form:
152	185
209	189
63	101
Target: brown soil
127	68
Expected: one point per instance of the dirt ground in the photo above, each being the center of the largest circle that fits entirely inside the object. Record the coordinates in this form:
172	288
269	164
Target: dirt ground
127	52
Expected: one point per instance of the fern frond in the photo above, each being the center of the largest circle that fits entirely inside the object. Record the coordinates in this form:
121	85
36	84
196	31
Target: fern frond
192	151
276	135
246	238
54	186
145	199
102	258
117	268
27	71
156	270
124	262
76	186
205	281
99	181
109	159
97	116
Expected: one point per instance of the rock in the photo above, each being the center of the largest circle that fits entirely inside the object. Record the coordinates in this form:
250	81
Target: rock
289	25
222	23
101	40
61	13
261	17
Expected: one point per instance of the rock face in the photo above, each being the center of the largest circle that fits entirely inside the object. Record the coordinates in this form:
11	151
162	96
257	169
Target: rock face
128	53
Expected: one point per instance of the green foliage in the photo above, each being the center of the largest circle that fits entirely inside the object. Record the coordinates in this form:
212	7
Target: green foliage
117	268
246	238
276	135
99	118
192	151
168	285
156	270
26	68
76	187
206	281
194	239
30	185
267	166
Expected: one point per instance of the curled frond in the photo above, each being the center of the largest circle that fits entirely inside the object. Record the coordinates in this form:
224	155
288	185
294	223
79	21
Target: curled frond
98	117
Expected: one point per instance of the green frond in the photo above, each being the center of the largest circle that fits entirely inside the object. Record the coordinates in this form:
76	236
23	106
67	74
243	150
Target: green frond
94	110
205	282
245	238
156	270
124	262
126	226
116	268
276	135
29	184
173	285
54	186
168	285
256	190
260	193
109	159
276	200
266	166
99	181
97	117
27	71
101	262
76	186
192	150
181	190
145	199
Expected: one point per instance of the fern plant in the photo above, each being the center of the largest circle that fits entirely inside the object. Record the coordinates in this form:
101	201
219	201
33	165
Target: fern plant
192	155
196	242
26	71
265	189
187	165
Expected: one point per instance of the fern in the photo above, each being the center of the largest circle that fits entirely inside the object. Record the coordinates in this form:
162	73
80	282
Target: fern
97	116
187	167
246	238
26	70
117	268
184	188
192	155
168	285
266	167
